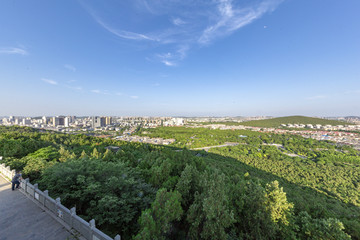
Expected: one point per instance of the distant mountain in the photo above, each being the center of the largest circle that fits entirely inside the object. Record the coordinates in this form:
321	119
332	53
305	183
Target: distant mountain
276	122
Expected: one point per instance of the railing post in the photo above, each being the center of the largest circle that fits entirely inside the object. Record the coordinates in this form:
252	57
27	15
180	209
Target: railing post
26	183
46	193
59	212
92	226
13	172
36	195
72	215
117	237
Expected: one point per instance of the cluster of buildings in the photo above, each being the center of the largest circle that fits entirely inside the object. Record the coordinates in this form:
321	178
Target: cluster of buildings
60	123
40	122
340	137
160	141
340	134
152	122
92	123
324	127
225	119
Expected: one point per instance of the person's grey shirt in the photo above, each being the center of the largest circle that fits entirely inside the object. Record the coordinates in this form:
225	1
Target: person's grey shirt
16	177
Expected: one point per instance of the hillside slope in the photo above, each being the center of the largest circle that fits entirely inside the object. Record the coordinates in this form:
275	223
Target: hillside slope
276	122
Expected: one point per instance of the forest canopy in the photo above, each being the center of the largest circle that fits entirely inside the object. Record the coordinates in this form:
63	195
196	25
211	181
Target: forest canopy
249	191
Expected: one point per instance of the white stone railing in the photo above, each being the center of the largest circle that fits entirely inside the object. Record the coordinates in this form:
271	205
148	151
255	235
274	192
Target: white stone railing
87	229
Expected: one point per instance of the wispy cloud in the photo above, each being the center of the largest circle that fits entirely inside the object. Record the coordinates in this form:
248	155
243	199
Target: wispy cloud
316	97
191	23
70	67
121	33
134	97
166	59
171	59
178	21
49	81
97	91
78	88
13	50
231	18
168	63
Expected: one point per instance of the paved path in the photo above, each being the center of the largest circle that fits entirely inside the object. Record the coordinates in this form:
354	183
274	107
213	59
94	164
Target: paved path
217	146
20	218
282	149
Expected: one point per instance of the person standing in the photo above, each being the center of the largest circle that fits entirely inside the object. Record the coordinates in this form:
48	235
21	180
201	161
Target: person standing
16	180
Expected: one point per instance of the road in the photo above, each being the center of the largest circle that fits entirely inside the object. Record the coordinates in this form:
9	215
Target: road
217	146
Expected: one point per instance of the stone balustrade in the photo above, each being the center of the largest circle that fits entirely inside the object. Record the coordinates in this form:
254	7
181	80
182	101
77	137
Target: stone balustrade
87	229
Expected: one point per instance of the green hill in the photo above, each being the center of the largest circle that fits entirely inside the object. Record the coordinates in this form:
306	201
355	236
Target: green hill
276	122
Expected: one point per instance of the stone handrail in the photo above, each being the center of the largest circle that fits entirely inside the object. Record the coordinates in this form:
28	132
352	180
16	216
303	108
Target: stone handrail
87	229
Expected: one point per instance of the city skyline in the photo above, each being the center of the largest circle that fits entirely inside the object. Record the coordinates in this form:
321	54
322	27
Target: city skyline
204	58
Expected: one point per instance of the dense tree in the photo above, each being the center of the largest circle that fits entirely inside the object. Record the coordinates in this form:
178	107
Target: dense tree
169	192
111	193
156	223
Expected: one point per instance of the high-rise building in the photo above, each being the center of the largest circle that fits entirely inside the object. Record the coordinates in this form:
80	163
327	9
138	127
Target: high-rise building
72	119
58	121
17	121
108	121
26	121
67	121
45	120
98	122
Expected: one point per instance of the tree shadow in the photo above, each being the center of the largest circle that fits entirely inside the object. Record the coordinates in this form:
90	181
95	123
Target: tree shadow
319	203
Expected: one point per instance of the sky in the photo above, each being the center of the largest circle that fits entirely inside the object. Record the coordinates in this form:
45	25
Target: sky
180	58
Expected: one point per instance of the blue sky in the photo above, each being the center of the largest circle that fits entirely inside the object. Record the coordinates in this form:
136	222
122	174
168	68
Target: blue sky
180	58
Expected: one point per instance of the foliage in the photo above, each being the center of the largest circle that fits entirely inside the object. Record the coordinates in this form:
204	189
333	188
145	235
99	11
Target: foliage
144	191
276	122
319	229
111	193
156	223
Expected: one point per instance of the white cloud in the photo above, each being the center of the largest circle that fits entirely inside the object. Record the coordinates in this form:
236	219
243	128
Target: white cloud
12	50
178	21
70	67
49	81
171	59
121	33
168	63
316	97
134	97
97	91
231	19
195	23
